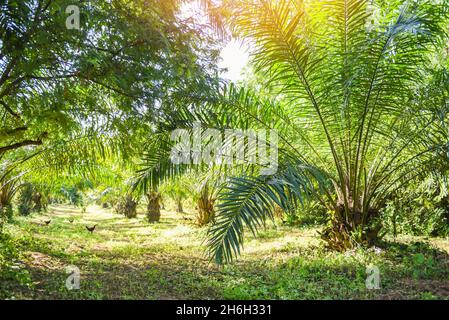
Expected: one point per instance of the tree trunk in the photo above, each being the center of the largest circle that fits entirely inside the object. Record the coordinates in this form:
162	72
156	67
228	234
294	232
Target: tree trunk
154	207
346	231
37	199
127	207
180	209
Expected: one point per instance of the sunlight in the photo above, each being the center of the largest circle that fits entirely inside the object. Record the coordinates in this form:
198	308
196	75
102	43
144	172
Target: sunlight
235	58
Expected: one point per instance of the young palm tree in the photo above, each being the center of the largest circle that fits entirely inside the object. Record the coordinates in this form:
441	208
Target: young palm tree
350	117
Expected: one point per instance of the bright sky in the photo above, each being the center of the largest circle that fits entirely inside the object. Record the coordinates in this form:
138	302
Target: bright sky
235	58
235	55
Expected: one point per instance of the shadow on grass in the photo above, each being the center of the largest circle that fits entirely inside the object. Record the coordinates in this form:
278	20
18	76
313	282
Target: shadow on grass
140	268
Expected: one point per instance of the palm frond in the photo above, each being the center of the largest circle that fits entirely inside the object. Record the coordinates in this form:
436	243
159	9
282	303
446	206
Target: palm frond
248	202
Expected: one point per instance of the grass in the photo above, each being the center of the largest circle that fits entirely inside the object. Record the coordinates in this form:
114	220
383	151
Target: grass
133	259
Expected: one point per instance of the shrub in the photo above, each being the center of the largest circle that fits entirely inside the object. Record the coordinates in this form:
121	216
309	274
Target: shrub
422	209
6	211
419	219
74	196
312	213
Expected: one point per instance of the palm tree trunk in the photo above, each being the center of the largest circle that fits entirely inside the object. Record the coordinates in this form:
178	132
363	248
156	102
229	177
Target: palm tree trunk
350	227
180	209
37	199
154	206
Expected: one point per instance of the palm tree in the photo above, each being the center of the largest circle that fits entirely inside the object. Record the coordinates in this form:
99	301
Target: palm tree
351	119
347	87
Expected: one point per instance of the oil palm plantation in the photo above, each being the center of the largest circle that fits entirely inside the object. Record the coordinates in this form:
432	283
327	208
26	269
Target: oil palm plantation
347	87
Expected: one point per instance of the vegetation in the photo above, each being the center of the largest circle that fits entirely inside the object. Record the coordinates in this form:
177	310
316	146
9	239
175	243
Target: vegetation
126	152
132	259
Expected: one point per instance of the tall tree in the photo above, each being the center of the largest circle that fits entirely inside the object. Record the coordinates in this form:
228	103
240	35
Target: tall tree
107	78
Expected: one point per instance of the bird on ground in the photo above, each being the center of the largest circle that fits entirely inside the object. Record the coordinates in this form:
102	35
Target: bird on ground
71	220
91	229
47	222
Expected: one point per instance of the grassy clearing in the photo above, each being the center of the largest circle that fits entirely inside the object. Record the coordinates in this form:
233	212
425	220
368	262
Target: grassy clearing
132	259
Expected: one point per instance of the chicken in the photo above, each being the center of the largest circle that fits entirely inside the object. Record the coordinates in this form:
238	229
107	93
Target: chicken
91	229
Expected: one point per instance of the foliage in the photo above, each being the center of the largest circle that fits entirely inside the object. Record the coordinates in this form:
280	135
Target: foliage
6	214
421	209
356	90
64	110
10	186
311	214
73	195
108	197
12	270
178	189
359	112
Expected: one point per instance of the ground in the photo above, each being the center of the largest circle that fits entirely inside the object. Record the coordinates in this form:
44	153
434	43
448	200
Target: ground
132	259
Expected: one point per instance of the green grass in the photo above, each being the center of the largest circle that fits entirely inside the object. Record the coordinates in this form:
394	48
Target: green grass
132	259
